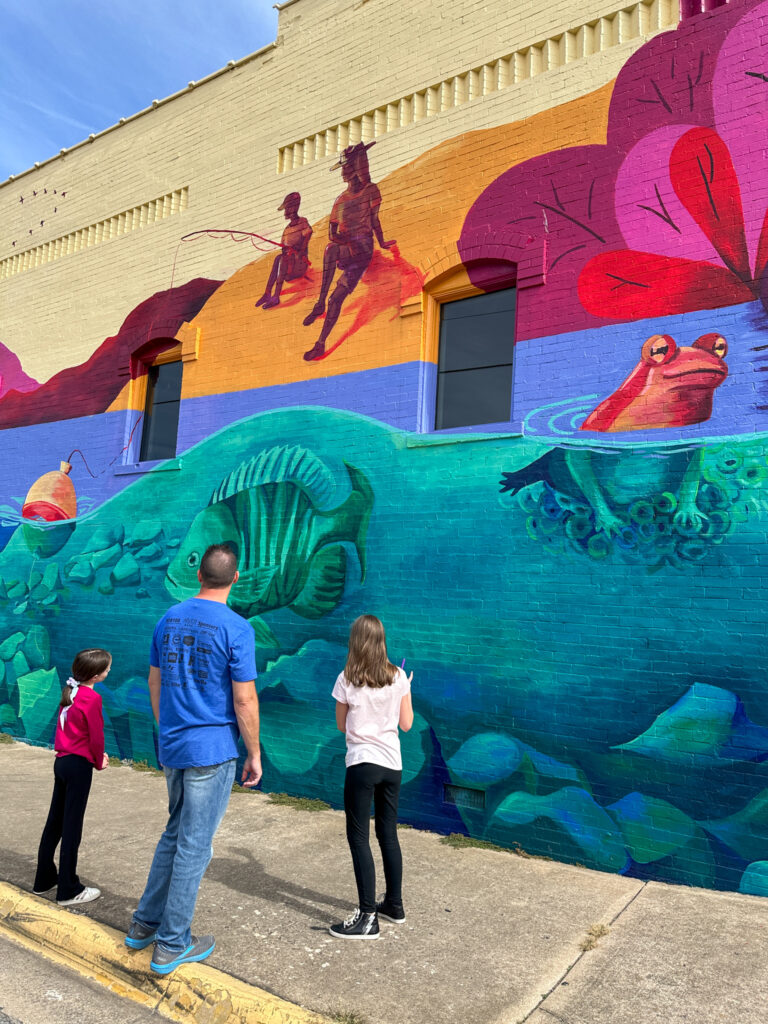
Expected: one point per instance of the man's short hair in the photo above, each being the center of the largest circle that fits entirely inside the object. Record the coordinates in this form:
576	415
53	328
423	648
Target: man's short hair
218	567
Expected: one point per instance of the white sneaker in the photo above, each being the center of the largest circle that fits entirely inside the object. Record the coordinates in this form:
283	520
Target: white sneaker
88	895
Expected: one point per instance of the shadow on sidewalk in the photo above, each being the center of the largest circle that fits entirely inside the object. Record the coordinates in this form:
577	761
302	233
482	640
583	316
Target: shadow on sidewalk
243	873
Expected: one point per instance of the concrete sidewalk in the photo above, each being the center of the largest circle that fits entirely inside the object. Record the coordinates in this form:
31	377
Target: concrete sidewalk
491	938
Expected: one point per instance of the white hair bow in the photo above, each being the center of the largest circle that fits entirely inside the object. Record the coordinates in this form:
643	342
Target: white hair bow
75	686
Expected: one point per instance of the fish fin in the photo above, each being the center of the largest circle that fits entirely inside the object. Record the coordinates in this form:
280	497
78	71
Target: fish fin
364	492
325	584
264	635
257	584
281	464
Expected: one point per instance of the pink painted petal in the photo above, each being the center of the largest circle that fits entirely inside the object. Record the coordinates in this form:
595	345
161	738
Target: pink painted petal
649	212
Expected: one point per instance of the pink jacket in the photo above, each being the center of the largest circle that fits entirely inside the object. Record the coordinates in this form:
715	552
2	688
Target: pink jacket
83	731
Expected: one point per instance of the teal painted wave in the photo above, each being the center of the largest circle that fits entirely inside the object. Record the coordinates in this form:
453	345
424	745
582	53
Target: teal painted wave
611	711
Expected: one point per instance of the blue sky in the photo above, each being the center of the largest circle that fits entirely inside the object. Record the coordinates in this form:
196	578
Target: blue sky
72	67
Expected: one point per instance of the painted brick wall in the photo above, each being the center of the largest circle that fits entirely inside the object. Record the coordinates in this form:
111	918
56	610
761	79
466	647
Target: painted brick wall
578	590
331	61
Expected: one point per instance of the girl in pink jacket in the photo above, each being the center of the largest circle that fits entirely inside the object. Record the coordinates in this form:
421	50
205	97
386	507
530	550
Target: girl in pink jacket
79	746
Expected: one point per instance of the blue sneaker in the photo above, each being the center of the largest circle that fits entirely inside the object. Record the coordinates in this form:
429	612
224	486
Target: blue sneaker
166	960
140	936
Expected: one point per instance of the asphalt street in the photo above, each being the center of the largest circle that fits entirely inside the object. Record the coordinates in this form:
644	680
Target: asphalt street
33	990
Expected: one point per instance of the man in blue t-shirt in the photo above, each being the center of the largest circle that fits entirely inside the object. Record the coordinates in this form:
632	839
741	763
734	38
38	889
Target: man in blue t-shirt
201	682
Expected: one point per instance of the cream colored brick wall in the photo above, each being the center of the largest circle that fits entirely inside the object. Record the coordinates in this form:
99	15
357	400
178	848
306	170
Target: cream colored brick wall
333	60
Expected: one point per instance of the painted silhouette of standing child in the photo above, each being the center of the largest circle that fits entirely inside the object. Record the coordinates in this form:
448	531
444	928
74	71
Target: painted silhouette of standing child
292	261
354	222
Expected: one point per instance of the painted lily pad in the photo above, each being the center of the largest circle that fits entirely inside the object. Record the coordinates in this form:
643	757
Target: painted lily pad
488	758
707	726
754	881
575	815
746	831
651	828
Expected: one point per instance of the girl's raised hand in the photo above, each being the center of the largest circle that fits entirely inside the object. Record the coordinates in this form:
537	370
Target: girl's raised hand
410	677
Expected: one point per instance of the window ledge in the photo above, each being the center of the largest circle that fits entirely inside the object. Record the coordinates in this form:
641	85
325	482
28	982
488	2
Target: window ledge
459	435
158	466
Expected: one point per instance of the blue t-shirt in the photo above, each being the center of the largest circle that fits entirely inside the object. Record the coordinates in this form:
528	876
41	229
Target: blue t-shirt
200	647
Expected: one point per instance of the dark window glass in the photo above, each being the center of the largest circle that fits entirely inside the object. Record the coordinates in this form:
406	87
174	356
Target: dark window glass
474	379
469	397
161	413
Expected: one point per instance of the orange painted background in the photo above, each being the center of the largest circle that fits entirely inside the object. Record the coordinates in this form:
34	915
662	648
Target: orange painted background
423	208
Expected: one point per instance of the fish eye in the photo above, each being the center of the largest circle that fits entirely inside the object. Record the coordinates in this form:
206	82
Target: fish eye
193	559
659	349
714	343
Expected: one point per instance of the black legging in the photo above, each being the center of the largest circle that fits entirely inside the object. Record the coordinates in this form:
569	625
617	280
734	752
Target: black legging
72	784
364	783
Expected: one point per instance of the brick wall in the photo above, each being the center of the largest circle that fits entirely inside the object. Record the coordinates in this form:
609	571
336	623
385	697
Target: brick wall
577	590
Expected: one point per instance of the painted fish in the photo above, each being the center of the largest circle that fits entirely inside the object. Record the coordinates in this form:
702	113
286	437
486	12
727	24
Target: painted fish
290	548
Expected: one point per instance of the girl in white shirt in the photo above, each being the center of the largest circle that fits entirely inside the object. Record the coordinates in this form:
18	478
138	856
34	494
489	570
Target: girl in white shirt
373	699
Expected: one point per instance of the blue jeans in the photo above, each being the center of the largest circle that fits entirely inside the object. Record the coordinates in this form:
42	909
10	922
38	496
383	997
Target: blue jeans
197	800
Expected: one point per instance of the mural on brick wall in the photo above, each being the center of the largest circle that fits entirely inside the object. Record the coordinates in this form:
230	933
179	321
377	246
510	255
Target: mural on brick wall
666	220
567	750
581	605
356	256
89	388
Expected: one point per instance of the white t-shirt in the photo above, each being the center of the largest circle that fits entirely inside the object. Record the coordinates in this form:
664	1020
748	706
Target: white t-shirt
372	721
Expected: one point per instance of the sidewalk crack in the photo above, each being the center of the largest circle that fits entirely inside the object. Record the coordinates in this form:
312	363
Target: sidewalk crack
543	998
551	1013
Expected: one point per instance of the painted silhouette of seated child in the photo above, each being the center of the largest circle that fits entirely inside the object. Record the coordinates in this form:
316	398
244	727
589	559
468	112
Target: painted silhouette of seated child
292	261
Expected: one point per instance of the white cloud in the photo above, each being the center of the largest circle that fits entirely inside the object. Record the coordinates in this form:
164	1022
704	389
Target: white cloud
54	115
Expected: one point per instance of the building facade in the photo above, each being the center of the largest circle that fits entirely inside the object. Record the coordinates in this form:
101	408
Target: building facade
451	314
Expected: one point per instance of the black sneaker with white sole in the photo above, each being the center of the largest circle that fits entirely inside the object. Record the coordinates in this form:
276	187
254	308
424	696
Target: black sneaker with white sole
357	926
390	911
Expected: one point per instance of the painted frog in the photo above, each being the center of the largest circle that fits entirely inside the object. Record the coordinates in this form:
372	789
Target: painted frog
671	386
609	482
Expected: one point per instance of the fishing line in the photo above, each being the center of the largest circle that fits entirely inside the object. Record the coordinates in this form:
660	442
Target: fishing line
234	235
77	451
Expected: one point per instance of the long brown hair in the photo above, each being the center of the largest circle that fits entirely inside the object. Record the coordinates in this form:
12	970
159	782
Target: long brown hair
367	661
87	664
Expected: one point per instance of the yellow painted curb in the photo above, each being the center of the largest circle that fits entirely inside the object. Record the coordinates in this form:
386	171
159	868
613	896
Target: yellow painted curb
192	994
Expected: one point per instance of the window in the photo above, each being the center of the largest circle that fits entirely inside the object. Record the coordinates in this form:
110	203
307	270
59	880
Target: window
161	411
474	370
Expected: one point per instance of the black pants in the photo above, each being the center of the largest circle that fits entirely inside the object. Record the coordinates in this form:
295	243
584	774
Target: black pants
72	783
365	783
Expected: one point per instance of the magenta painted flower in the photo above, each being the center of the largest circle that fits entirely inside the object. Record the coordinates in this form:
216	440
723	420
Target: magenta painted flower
694	222
670	215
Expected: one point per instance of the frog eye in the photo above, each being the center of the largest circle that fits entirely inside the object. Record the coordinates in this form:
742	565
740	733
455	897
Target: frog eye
659	349
714	343
193	559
